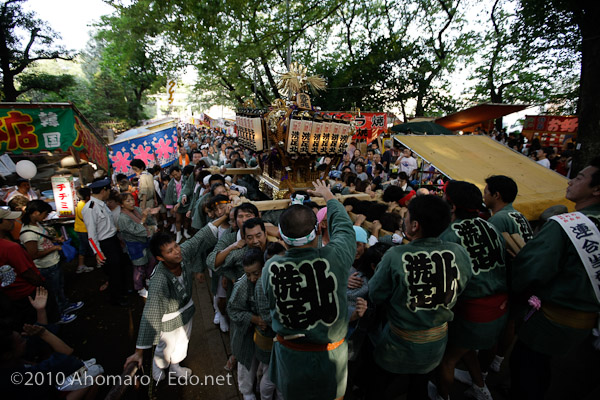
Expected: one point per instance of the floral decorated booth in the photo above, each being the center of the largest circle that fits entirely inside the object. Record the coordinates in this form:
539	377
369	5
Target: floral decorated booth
155	143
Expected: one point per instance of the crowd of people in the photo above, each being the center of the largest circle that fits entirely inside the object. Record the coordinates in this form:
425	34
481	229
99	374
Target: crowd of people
556	158
316	305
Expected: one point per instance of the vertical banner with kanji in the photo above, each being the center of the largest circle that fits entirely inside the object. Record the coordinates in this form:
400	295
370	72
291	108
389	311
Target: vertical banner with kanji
293	140
305	136
325	136
315	137
64	195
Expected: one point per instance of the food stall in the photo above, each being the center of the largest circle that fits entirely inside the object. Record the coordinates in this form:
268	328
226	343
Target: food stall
40	135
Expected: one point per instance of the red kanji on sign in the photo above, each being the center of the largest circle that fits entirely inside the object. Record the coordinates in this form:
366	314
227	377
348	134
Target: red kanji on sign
17	130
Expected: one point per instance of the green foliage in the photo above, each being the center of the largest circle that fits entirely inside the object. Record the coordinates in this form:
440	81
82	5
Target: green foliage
45	82
374	54
25	39
517	68
410	55
129	62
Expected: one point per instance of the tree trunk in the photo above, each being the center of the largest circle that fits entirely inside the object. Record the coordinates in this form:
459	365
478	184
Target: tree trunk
588	133
496	97
10	92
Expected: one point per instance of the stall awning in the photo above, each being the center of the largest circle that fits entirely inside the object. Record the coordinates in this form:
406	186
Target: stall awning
155	143
35	127
474	158
475	115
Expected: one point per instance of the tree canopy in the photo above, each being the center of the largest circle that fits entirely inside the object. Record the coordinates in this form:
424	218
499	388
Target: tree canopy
25	39
419	57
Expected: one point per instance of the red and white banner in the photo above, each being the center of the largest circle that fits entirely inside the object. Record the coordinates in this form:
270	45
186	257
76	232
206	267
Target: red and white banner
551	130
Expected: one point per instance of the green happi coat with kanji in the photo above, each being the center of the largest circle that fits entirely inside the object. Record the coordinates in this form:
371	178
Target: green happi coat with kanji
510	220
485	246
420	283
306	290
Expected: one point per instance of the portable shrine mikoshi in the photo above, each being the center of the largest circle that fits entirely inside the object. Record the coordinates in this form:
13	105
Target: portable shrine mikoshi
290	135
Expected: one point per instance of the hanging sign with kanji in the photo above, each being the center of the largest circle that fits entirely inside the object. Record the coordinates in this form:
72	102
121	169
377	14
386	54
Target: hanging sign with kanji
52	127
551	130
368	122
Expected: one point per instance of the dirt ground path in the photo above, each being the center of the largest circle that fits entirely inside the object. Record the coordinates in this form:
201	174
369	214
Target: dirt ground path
108	334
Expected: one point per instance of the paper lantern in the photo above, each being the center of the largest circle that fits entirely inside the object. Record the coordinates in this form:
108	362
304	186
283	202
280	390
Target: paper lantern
335	137
315	137
305	136
325	137
295	125
64	195
256	134
26	169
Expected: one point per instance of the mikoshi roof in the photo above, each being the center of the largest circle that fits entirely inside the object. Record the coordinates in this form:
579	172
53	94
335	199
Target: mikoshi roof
474	158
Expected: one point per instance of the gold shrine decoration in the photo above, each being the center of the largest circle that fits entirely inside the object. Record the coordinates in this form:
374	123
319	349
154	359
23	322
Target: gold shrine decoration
295	81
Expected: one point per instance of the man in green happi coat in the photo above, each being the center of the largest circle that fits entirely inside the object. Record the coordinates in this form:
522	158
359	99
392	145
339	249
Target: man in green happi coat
553	269
480	313
306	290
420	283
167	318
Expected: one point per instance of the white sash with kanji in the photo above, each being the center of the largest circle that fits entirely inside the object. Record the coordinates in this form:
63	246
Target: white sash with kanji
585	236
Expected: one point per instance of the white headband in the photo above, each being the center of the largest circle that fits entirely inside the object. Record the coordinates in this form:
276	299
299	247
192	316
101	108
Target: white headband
301	241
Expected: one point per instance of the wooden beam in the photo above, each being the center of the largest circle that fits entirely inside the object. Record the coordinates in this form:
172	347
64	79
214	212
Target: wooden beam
267	205
235	171
369	226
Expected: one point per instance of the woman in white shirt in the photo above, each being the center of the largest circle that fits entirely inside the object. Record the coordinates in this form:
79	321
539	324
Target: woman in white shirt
45	255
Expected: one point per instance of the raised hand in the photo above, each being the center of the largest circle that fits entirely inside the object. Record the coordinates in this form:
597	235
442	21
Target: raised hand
41	298
321	190
33	330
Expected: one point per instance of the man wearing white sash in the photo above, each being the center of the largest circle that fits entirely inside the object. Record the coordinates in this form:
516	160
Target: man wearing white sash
167	318
561	266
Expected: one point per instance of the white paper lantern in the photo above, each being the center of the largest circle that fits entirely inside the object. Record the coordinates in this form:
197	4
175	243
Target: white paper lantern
26	169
